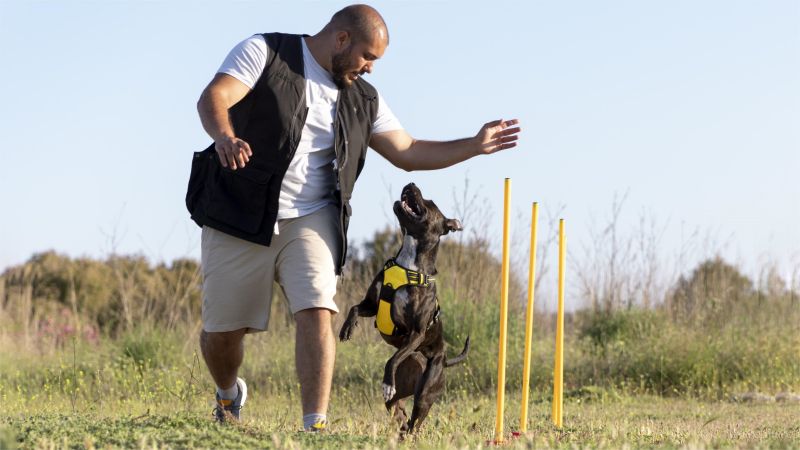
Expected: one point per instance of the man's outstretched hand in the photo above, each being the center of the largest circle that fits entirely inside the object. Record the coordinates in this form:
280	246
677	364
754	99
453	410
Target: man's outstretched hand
498	135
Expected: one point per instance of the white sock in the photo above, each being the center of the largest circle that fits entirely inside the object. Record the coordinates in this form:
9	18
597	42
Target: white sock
228	394
311	419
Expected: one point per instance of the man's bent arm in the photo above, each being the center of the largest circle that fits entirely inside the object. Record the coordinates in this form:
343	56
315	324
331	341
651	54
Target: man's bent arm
407	153
223	92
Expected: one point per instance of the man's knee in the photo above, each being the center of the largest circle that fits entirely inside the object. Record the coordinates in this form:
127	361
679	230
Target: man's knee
314	323
224	339
312	316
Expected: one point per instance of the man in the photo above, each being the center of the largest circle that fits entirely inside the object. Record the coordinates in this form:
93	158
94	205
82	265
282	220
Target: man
291	120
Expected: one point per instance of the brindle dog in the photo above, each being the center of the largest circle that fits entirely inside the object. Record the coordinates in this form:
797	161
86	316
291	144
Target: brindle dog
417	368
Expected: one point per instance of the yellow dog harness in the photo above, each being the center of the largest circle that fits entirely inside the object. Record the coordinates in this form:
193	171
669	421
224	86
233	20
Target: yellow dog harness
396	276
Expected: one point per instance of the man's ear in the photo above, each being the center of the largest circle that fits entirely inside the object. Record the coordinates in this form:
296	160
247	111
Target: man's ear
342	39
452	225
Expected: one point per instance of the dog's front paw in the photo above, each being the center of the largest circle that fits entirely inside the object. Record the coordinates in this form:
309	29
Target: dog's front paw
346	332
388	392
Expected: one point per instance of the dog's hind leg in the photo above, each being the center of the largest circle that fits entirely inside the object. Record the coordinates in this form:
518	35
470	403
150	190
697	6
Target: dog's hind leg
399	413
428	391
412	342
407	378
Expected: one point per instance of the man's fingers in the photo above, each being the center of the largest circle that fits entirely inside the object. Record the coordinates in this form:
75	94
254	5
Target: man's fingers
242	155
509	131
507	146
503	146
503	124
500	135
498	142
234	155
231	160
222	154
505	139
503	143
240	159
493	123
246	148
230	156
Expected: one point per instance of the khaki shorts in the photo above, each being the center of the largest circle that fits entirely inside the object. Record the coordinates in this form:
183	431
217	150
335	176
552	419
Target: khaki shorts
238	275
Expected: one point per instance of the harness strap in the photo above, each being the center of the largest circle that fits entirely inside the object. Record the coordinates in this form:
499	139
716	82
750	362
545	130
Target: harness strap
396	276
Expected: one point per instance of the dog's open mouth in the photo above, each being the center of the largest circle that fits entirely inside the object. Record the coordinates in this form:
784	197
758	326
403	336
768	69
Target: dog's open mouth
409	204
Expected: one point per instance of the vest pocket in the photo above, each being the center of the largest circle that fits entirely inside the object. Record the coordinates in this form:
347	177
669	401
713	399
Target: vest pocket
239	198
197	178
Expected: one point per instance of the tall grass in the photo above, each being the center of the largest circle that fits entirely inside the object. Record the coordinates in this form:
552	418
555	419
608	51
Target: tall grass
75	325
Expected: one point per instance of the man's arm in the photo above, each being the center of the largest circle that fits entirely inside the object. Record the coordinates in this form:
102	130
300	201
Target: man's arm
409	154
223	92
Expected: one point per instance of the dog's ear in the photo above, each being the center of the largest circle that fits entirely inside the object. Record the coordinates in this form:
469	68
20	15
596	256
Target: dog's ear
452	225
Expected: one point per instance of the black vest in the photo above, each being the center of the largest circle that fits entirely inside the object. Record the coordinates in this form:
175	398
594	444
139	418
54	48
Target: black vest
244	202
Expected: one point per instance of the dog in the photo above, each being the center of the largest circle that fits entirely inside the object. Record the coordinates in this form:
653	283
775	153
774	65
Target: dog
403	299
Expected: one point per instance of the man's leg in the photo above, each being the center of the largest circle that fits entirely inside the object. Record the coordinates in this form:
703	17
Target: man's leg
237	293
315	352
306	270
223	353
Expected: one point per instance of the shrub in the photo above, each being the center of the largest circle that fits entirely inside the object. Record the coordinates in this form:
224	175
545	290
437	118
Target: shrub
711	293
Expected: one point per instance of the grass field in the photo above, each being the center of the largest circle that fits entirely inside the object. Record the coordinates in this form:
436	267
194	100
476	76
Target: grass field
103	354
359	421
104	397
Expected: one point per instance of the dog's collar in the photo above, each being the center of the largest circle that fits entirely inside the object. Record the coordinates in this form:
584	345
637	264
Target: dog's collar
396	276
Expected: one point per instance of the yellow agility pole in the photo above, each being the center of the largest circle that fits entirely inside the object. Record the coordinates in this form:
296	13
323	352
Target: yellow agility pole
501	357
558	370
526	368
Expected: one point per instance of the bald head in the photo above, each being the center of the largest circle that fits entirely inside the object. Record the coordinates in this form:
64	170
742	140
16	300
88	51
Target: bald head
363	23
350	43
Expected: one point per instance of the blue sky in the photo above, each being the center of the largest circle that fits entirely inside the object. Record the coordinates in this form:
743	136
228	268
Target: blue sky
692	108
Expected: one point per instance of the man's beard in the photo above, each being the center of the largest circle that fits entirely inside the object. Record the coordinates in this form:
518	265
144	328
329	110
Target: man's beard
340	69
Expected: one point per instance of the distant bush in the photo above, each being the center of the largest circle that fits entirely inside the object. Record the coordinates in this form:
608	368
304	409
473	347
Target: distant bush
113	295
606	329
713	334
715	290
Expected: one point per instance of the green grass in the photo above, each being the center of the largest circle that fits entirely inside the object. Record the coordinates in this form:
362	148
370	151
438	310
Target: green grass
149	389
359	421
73	377
130	393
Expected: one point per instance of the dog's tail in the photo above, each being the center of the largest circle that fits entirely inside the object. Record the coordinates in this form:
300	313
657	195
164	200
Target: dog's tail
459	358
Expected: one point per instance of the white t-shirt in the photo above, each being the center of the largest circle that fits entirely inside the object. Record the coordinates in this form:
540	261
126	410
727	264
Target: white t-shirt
309	182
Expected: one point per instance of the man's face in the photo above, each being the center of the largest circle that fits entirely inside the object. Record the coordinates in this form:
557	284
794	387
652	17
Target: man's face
355	59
